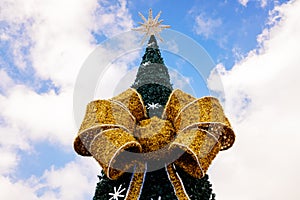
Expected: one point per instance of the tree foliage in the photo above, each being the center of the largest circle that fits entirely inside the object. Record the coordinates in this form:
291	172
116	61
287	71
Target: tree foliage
153	84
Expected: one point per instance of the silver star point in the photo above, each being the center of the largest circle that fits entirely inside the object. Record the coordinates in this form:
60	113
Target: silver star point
151	26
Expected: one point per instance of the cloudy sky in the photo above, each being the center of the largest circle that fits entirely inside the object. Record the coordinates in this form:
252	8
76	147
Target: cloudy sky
254	45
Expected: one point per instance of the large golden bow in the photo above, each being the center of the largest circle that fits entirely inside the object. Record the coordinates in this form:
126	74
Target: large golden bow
189	135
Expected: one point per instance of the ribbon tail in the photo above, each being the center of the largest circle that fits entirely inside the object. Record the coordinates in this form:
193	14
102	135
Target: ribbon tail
176	183
136	183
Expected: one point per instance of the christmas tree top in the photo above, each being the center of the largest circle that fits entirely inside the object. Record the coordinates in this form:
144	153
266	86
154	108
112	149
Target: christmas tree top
151	26
152	79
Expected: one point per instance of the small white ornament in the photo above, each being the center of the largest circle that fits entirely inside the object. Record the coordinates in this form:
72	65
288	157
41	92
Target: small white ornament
117	193
146	63
153	106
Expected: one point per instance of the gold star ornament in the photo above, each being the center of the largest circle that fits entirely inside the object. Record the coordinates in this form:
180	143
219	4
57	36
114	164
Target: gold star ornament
151	26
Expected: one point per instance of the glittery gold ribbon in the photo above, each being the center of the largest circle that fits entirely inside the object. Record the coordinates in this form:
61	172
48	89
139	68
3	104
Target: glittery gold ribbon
196	127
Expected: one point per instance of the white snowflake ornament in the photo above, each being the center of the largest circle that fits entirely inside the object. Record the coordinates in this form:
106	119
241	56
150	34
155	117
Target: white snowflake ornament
117	193
153	106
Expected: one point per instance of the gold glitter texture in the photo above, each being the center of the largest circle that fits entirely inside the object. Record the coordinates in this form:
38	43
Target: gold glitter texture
132	100
207	114
136	184
83	141
111	128
199	147
107	148
177	100
101	115
177	185
155	135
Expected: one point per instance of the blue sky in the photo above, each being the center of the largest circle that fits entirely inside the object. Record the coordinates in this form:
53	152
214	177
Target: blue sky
42	49
227	25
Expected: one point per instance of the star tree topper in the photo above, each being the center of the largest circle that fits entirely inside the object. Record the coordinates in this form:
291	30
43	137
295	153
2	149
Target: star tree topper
151	26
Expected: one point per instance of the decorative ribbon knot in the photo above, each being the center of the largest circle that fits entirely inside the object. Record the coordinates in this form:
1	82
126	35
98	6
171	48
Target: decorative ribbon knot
120	136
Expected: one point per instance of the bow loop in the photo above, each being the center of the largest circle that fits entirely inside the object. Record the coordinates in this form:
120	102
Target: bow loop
106	132
177	101
102	115
207	114
199	148
110	150
132	100
202	131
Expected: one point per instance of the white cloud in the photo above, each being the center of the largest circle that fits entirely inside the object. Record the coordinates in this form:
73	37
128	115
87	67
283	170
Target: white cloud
113	19
106	88
13	190
179	81
243	2
39	116
58	37
6	82
121	53
237	53
262	101
58	33
12	140
76	180
206	26
53	38
8	162
263	3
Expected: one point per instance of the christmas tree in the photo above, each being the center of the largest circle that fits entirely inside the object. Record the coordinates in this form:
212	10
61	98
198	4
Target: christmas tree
152	80
151	141
153	84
